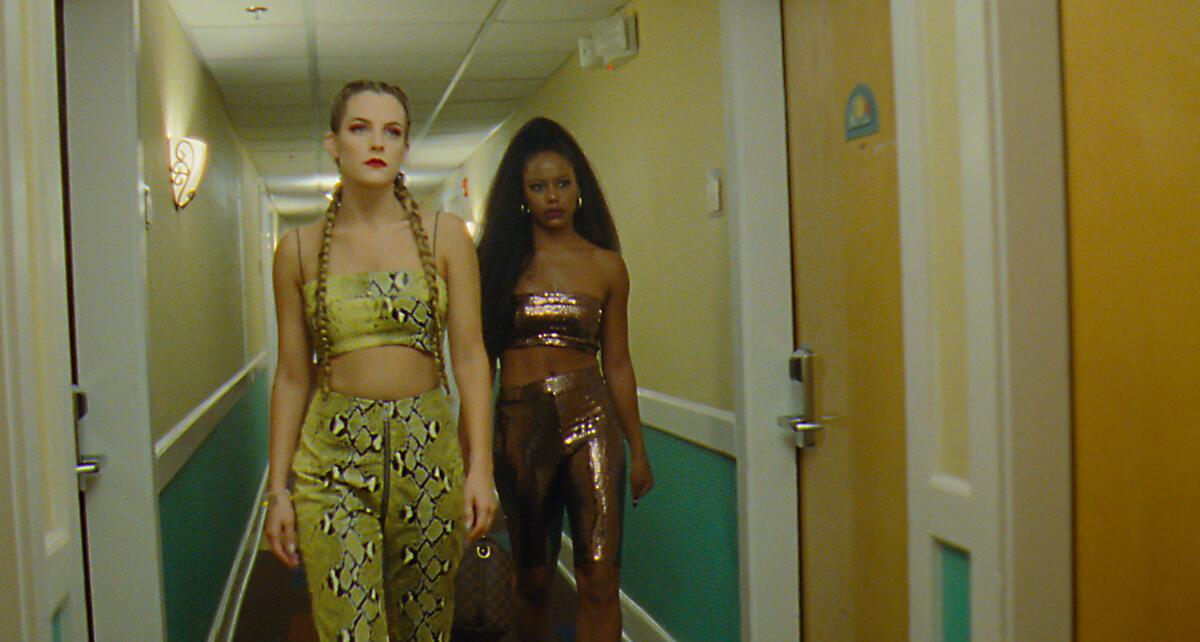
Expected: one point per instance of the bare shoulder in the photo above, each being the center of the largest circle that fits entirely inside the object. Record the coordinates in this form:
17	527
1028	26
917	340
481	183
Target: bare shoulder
450	236
610	263
444	221
287	249
448	229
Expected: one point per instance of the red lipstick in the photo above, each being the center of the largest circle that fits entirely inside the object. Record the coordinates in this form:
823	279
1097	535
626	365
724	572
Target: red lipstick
376	162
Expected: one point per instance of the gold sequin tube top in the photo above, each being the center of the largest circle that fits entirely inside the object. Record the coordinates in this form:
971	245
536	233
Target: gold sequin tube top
556	319
370	309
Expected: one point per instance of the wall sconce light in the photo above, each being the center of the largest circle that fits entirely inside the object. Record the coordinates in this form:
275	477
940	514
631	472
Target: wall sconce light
188	159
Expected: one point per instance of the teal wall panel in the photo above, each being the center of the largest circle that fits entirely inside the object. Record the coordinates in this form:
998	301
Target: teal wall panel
679	561
203	513
956	594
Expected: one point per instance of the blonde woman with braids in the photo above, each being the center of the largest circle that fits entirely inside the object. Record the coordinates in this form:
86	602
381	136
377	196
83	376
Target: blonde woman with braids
382	503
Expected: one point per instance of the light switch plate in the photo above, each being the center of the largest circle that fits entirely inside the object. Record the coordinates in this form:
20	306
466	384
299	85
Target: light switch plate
712	192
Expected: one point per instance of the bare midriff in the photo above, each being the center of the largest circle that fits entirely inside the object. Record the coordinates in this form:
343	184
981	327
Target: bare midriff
384	372
519	366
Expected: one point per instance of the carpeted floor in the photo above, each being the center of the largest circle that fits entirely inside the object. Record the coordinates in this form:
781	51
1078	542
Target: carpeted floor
276	604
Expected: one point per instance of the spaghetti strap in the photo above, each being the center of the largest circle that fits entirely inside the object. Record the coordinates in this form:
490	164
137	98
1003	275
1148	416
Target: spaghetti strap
299	257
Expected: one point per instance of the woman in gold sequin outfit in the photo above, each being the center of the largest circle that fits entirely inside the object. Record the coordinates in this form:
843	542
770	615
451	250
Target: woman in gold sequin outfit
555	292
382	501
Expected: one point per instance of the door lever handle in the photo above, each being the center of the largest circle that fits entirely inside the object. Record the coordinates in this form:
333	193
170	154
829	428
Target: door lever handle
806	431
86	468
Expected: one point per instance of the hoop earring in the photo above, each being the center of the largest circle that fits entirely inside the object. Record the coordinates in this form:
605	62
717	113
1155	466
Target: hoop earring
525	209
580	205
399	179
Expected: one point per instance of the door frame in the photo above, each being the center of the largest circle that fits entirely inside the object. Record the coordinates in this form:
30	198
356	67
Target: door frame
40	530
1013	514
109	253
756	187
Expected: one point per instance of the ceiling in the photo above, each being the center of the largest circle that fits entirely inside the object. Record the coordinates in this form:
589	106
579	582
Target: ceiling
465	64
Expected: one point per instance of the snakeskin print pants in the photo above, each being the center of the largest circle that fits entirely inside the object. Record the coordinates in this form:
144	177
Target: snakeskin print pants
378	510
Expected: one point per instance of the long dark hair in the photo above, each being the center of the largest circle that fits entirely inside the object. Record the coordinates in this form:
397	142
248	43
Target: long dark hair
506	246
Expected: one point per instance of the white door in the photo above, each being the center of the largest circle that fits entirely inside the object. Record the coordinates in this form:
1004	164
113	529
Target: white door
109	264
1000	500
42	576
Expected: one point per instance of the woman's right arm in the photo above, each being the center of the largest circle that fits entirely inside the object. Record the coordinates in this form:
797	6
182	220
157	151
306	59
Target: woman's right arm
294	376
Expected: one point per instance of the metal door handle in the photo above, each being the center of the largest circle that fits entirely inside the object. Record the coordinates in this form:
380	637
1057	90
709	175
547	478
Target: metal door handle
86	468
806	431
800	369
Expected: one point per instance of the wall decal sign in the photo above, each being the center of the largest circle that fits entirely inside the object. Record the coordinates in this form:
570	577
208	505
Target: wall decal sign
862	116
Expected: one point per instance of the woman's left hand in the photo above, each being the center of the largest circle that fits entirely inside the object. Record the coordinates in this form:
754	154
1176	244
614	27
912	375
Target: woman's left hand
479	504
641	478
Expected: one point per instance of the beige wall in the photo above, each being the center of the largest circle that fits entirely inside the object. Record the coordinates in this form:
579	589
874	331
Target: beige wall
652	129
256	263
197	293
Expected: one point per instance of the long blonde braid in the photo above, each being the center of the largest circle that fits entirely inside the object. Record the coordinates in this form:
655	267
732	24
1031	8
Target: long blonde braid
324	346
429	267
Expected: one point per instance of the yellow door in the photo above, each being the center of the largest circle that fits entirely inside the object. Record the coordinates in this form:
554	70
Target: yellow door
1132	81
846	292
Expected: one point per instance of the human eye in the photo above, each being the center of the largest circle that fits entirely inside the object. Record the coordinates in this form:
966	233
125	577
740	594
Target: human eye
357	128
395	132
536	187
566	182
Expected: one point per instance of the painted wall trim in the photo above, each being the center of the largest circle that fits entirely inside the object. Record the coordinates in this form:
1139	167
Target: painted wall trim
224	623
177	446
703	425
636	623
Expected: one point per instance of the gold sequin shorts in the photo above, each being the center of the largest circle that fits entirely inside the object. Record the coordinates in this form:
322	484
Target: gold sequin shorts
379	506
558	444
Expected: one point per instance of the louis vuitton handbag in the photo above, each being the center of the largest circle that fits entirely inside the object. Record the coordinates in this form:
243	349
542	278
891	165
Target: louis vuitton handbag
484	592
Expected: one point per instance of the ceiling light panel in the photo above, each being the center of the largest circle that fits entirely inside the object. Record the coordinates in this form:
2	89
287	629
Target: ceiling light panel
232	13
405	41
559	9
300	185
402	11
242	71
249	42
299	205
534	37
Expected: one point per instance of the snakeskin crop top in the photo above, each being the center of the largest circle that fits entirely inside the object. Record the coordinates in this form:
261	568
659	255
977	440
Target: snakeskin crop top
556	319
371	309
